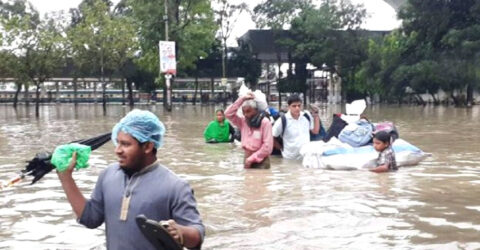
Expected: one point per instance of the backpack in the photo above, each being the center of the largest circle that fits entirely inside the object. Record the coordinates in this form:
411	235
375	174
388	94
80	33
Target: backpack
313	137
358	135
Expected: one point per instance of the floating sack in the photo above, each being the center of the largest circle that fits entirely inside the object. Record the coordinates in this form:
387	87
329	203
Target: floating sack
341	156
357	134
63	155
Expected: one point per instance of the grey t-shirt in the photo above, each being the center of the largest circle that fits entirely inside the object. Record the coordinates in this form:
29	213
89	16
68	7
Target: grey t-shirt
157	193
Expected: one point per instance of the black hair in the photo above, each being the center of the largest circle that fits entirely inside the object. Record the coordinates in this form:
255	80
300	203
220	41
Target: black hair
293	98
154	150
219	110
383	136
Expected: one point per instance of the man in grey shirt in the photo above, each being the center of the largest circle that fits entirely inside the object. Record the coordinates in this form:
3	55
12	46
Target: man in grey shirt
137	184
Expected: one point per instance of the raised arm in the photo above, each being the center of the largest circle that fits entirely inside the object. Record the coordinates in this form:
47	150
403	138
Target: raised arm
74	196
231	112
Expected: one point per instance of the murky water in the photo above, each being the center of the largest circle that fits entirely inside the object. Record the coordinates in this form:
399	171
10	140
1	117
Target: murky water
435	205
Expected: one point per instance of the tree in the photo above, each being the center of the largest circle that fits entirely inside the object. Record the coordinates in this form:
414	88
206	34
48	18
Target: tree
37	45
101	42
444	35
330	35
191	26
246	66
226	16
279	15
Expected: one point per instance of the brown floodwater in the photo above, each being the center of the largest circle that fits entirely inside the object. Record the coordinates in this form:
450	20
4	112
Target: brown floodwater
434	205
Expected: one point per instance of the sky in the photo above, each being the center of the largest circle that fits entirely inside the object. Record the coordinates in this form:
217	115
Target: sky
381	15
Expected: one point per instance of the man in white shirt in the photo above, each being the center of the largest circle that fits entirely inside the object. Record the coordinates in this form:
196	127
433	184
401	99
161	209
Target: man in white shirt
296	132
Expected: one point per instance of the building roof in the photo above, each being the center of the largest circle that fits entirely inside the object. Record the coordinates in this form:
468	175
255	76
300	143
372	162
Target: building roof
264	43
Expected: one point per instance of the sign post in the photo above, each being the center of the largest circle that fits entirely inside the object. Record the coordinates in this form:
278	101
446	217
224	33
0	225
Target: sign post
168	66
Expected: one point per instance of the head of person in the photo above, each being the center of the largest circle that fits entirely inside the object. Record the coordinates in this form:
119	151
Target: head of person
249	109
294	105
137	137
381	140
220	115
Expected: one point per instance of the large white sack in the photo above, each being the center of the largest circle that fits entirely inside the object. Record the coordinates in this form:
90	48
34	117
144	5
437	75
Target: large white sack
260	97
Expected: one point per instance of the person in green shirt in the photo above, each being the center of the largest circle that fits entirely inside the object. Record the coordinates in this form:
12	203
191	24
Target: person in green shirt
219	130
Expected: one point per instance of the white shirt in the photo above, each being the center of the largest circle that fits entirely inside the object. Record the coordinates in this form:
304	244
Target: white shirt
297	133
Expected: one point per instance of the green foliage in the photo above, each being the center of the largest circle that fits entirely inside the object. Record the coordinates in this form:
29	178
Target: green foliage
246	66
277	14
436	48
191	26
100	43
328	35
34	48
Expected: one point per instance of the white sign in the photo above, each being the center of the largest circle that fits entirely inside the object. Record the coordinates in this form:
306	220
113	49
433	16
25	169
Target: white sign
168	62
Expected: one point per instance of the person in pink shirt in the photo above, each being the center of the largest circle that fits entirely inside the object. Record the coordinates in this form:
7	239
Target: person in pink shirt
256	130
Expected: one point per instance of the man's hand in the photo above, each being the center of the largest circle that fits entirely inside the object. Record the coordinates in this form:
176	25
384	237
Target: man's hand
68	172
175	231
247	164
249	96
74	196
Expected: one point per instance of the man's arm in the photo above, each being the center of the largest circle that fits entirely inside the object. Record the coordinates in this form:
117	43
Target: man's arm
186	226
316	123
276	131
380	169
231	111
267	144
74	196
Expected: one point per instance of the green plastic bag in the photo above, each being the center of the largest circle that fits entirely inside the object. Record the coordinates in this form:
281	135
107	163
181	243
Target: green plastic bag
63	155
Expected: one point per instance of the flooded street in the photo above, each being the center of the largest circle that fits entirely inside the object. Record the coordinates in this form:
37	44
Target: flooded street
434	205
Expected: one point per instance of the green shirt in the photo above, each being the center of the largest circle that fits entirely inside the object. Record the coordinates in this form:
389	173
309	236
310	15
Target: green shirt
216	132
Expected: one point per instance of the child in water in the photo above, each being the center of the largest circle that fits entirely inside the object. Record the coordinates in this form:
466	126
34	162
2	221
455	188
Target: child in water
386	158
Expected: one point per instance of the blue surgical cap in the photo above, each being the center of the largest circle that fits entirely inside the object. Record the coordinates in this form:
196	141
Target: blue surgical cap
142	125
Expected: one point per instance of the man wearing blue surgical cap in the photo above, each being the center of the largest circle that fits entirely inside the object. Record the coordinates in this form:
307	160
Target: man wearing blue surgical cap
136	185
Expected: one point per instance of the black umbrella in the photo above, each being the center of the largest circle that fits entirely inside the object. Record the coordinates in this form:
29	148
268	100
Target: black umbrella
40	165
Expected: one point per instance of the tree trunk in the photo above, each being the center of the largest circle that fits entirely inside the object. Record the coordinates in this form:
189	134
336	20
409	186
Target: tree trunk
95	92
435	101
37	99
456	102
104	97
224	58
17	92
469	95
130	93
420	100
268	82
57	92
194	100
27	98
212	83
165	104
123	92
75	90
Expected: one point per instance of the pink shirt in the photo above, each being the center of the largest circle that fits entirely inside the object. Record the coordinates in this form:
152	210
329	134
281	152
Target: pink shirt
257	140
